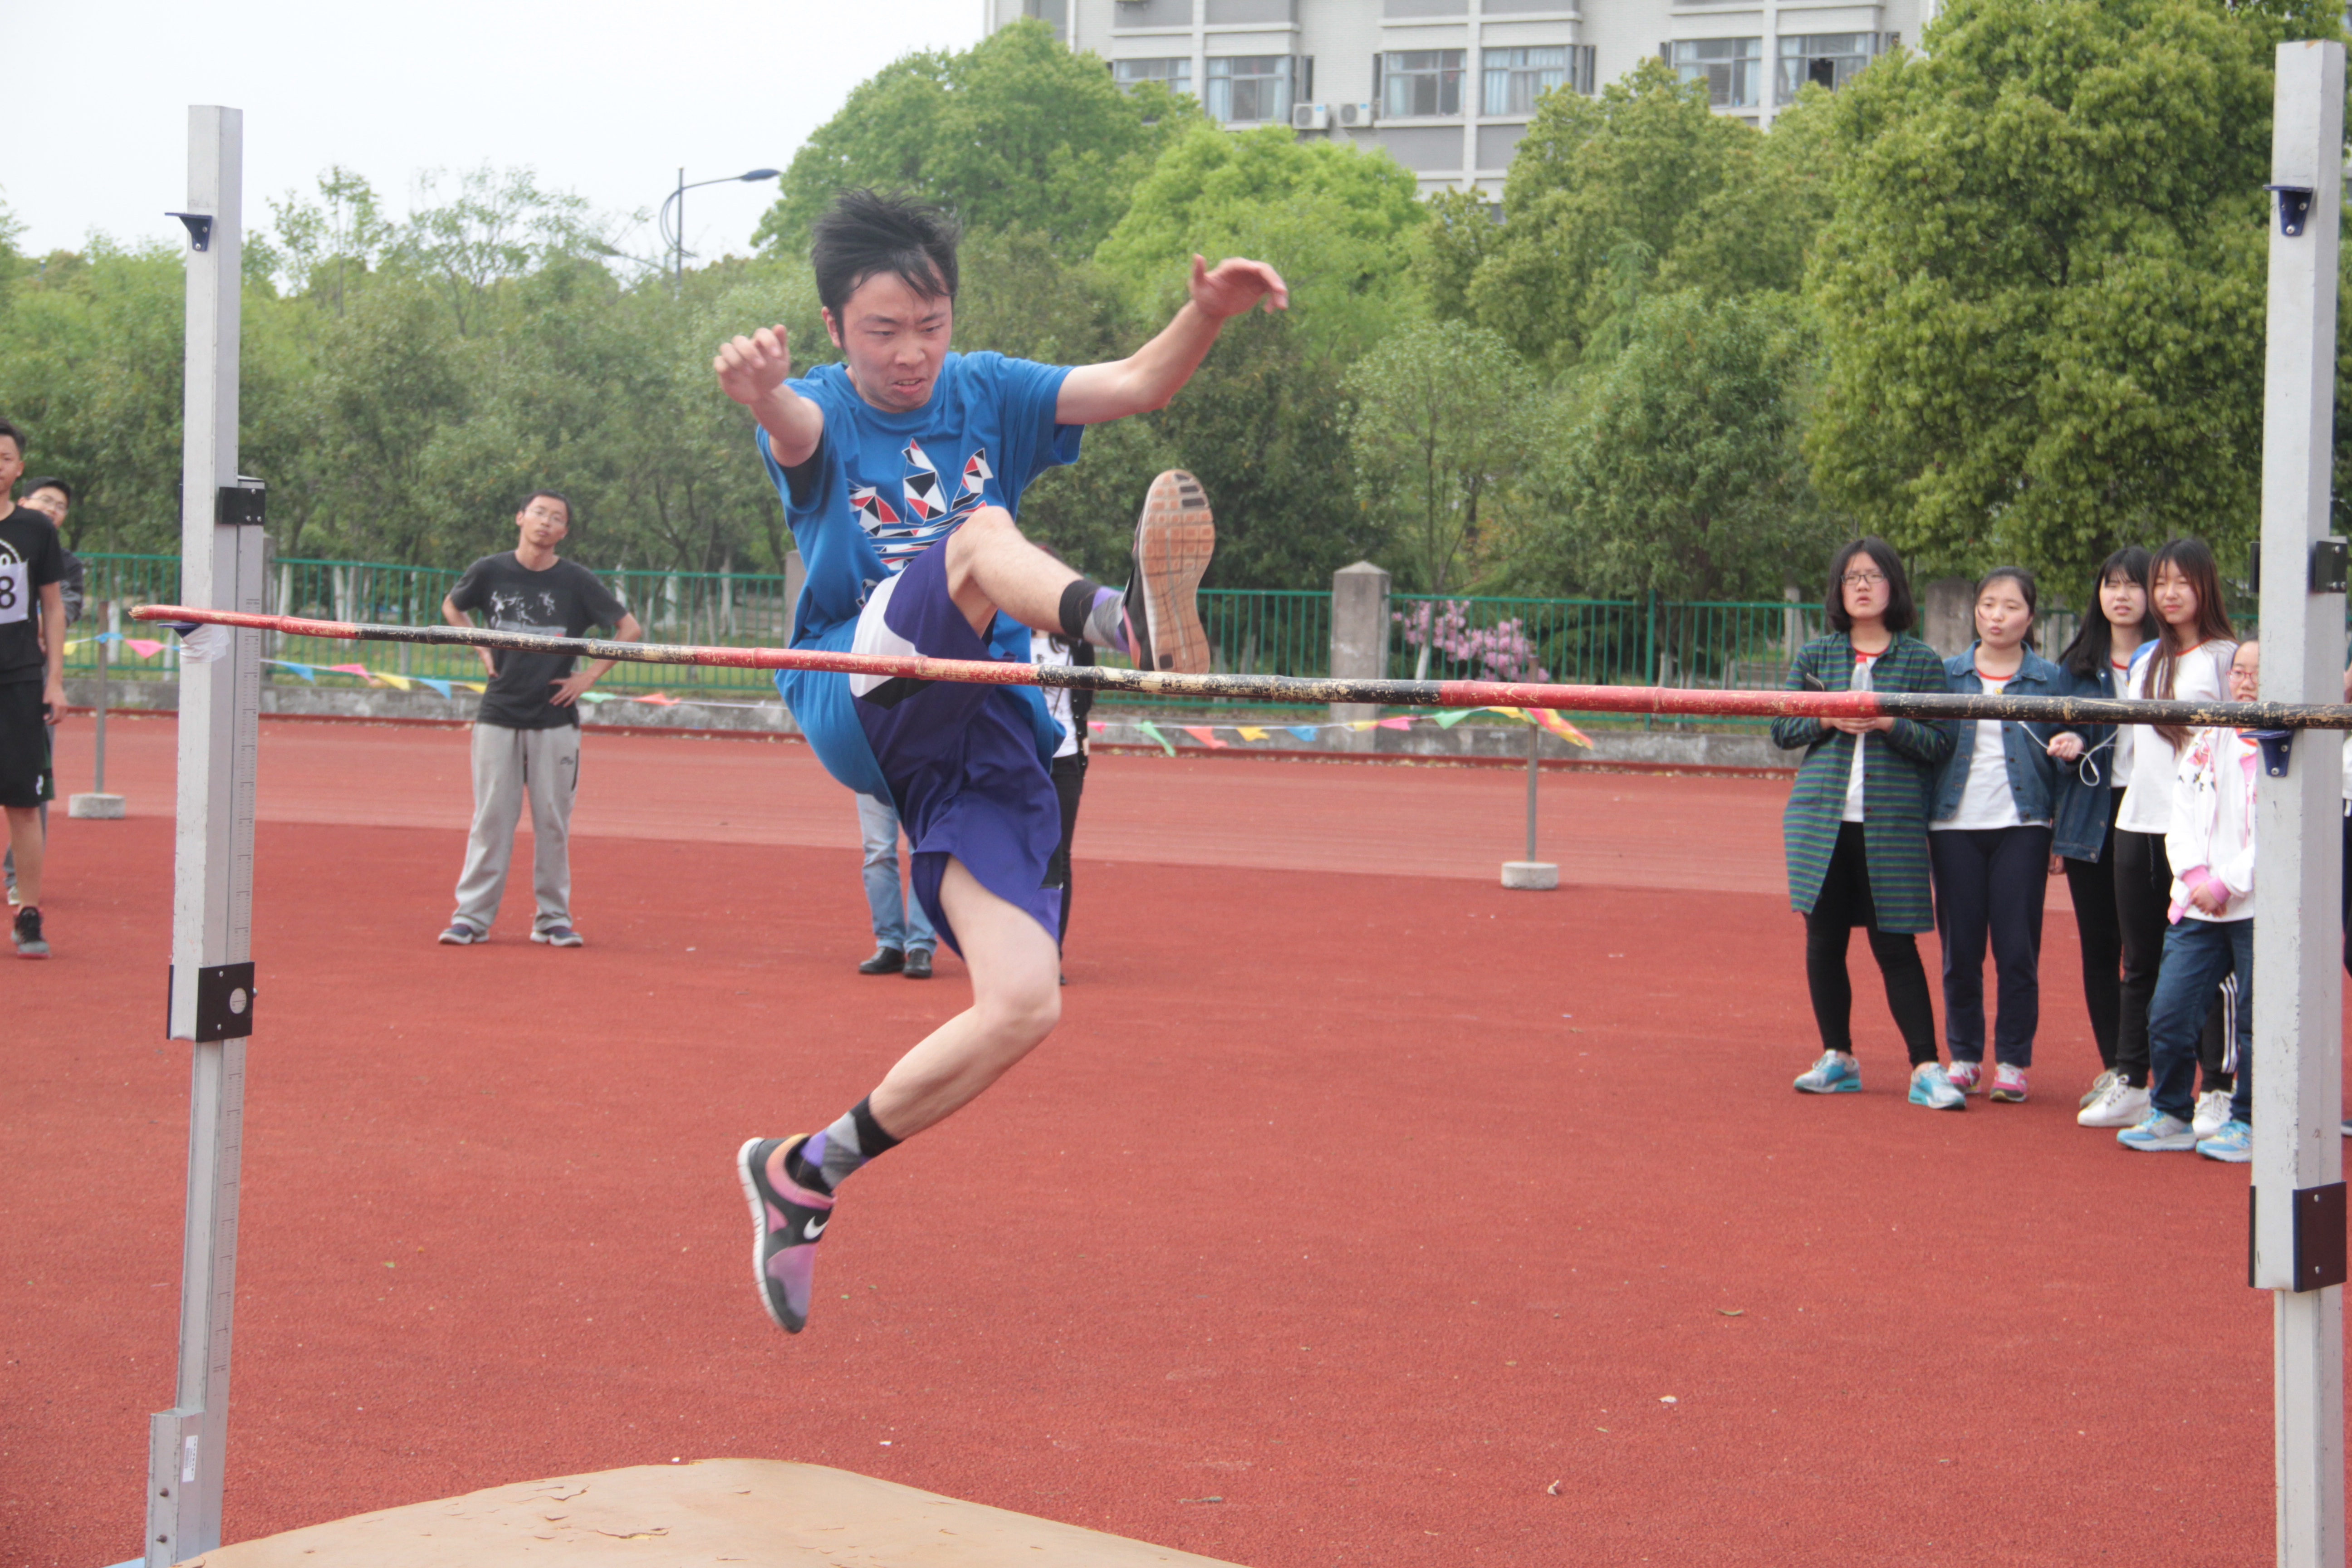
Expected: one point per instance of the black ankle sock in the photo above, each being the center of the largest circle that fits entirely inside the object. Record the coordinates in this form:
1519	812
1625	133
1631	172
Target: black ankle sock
1078	604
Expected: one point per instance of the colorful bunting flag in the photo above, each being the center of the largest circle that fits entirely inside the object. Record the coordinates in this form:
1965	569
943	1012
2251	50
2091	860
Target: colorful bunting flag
1206	734
1152	731
143	648
1305	731
1404	723
1249	731
440	688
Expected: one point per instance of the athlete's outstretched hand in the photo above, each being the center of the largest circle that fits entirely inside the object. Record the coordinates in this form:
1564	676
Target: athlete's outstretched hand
750	368
1234	285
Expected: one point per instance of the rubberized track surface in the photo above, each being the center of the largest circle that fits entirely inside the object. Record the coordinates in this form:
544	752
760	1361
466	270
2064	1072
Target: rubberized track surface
1355	1204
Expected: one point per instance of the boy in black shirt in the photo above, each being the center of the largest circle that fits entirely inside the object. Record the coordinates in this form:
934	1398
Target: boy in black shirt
527	730
32	682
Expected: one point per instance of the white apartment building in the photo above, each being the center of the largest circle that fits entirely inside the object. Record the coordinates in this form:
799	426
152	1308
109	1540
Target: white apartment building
1448	86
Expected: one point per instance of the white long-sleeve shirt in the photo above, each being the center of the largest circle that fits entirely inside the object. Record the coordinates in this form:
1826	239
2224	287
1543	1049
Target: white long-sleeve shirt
2212	833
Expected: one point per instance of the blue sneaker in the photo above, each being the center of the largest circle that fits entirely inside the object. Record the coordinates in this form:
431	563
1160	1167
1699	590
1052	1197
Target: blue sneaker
2159	1135
1835	1073
2233	1146
1932	1086
461	934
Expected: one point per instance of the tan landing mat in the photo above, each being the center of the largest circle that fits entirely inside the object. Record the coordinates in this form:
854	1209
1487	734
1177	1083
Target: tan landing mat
761	1512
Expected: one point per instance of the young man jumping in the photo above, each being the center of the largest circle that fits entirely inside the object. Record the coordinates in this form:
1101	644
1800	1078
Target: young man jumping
900	470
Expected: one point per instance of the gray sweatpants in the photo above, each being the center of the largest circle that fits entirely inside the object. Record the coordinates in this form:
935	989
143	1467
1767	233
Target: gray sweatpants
507	763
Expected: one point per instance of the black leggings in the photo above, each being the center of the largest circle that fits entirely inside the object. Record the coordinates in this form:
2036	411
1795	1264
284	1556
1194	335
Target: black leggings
1069	783
2091	885
1844	902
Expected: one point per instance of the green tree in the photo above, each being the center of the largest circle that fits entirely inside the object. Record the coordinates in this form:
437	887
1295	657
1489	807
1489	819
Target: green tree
2042	289
1334	221
1682	473
1634	167
1443	422
1015	133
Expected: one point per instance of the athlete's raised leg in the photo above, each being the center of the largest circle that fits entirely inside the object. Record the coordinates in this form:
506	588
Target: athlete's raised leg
991	567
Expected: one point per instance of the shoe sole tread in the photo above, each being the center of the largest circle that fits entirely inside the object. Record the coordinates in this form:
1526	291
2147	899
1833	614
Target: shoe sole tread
1174	540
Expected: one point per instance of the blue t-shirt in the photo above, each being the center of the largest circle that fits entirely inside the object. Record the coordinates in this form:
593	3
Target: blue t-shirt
881	489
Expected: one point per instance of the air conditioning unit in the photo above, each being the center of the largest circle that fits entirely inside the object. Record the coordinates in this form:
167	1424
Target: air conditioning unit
1355	116
1310	117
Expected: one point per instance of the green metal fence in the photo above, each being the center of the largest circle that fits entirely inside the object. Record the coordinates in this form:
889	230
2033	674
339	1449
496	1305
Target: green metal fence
1609	642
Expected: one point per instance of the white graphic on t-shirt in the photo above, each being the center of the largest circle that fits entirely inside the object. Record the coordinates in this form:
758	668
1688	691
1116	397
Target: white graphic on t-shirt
929	516
16	591
529	610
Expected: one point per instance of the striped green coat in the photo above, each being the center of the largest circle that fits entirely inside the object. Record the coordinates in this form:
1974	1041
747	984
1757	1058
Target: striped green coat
1898	776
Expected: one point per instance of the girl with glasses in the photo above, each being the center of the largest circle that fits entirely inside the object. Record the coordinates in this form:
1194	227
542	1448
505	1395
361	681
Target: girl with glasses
1856	824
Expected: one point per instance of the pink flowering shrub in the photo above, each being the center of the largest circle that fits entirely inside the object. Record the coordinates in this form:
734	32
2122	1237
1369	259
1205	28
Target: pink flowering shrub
1503	651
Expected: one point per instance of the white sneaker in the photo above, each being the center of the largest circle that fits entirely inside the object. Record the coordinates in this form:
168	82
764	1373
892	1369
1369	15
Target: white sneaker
2098	1086
2120	1106
2212	1112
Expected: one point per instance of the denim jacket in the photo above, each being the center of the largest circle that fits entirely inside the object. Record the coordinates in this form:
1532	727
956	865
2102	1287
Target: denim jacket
2084	811
2033	773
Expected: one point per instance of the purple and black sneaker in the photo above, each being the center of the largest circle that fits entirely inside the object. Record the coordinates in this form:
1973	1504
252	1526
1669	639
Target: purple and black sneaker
786	1221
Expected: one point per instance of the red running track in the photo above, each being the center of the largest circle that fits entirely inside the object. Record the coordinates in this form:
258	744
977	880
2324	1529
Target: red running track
1355	1194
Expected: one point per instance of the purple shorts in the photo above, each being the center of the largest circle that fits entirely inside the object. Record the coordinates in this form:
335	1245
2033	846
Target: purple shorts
960	758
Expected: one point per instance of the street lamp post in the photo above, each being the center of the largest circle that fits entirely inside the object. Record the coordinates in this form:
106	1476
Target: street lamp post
673	218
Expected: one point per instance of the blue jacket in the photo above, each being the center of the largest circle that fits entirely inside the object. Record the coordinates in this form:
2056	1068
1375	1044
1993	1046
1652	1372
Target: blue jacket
2033	773
2085	811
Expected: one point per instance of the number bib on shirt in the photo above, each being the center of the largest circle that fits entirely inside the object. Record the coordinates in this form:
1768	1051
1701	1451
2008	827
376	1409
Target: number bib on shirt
16	591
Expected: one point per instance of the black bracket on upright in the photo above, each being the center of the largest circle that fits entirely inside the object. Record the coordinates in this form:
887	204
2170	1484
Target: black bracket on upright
2319	1217
200	228
2328	559
239	505
2277	746
2293	208
224	1001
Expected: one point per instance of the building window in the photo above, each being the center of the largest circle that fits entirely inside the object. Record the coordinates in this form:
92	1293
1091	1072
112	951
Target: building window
1829	58
1733	69
1176	73
1421	82
1513	76
1244	88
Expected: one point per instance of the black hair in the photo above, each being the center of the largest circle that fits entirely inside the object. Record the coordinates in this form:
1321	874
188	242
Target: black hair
2094	643
551	495
2025	588
1900	611
2193	559
12	433
48	482
865	234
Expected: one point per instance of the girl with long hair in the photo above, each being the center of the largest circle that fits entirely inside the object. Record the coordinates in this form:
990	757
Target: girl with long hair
1989	838
2189	659
2090	784
1856	824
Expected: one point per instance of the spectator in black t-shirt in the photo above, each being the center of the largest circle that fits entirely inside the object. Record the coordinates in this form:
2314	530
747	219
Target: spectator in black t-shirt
32	682
54	498
527	730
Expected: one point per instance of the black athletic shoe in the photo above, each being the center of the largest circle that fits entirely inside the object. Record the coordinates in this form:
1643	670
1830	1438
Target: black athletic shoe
27	932
1174	541
919	963
786	1222
886	960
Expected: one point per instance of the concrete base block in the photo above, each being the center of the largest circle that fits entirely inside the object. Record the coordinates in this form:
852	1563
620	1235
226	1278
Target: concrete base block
107	807
1533	876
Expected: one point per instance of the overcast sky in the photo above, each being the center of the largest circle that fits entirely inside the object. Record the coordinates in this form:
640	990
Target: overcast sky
602	99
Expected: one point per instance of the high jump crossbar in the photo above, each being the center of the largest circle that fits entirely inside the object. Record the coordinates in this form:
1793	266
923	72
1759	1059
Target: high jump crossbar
1691	702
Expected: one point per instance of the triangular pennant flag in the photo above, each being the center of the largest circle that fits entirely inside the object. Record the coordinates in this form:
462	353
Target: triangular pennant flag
1151	732
1562	728
1206	734
660	700
440	688
304	671
144	648
1304	732
596	697
470	685
1448	719
358	669
1403	723
1361	723
399	682
1249	731
1095	726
